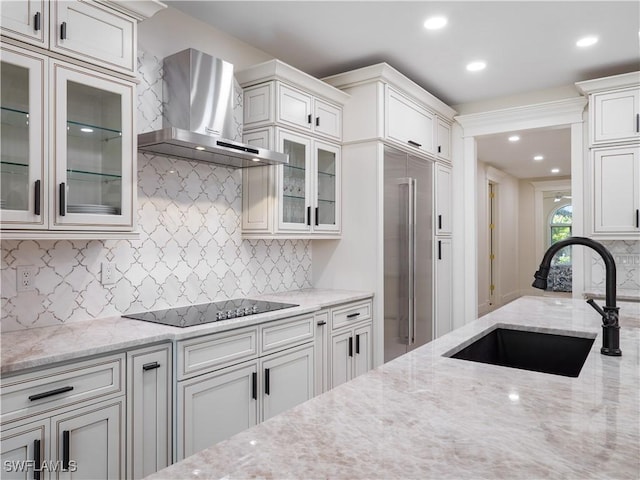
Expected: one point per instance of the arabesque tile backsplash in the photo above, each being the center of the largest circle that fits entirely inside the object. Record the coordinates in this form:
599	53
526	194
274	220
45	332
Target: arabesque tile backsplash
190	248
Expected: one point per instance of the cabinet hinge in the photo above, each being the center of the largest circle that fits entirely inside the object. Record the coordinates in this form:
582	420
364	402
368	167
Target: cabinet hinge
492	257
492	288
492	226
492	195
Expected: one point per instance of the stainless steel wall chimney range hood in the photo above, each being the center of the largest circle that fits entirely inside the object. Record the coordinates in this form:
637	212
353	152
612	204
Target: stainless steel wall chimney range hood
197	115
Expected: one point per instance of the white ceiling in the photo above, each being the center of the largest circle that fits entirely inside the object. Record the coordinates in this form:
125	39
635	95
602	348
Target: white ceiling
528	46
516	158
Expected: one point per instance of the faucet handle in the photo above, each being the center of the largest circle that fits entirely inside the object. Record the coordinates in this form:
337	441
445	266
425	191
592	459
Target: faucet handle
596	307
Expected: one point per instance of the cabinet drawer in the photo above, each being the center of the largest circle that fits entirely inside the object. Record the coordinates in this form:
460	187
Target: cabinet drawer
286	333
25	395
210	352
350	314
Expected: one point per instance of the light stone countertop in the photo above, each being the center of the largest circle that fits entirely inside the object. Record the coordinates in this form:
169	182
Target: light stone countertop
426	416
44	346
622	294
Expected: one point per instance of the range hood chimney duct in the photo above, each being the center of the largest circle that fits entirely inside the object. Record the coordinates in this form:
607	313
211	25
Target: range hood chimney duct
197	116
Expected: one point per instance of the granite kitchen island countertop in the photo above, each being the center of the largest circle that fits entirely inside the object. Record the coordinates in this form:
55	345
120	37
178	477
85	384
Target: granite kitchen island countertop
44	346
427	416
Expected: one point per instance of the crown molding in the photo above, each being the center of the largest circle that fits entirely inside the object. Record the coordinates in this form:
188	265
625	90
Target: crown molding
138	9
548	114
624	80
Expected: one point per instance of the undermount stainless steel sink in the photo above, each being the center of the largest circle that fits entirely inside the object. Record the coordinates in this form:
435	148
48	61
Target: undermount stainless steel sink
558	354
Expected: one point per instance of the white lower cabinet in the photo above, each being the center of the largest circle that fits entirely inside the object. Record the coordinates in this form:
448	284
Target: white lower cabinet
216	406
149	407
288	380
443	287
322	351
90	442
24	446
351	353
244	383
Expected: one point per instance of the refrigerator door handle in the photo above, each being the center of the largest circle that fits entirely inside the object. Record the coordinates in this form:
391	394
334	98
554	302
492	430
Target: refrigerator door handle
413	192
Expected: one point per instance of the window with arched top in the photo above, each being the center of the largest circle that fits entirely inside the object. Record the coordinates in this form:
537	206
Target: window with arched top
560	229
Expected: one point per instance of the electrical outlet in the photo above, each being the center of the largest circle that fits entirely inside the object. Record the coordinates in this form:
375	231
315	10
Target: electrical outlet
26	278
108	273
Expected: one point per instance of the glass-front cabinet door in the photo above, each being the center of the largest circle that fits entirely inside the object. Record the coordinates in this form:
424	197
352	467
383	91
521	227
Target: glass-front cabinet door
327	191
93	162
294	183
23	99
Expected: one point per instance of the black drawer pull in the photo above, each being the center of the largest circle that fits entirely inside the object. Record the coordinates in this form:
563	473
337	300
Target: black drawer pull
150	366
37	202
439	149
267	386
351	346
65	450
322	323
317	216
353	315
637	122
637	218
37	460
63	200
50	393
317	121
357	344
36	22
439	249
439	222
309	119
414	144
254	385
309	216
63	31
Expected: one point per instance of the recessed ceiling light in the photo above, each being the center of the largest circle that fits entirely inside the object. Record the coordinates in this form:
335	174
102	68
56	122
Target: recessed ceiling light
537	158
476	66
514	138
435	23
199	148
86	129
555	170
587	41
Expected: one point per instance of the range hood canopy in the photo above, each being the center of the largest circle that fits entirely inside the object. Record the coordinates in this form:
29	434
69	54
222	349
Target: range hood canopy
197	115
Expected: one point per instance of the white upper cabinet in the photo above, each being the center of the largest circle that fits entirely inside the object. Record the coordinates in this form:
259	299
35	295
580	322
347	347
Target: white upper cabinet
26	20
614	108
616	191
615	116
94	34
86	31
407	122
67	148
282	104
442	139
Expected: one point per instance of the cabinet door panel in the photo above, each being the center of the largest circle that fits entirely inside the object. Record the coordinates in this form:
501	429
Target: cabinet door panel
294	107
19	446
615	116
443	200
214	407
341	361
95	441
93	137
289	380
23	175
294	183
616	180
443	288
362	350
327	120
327	188
443	140
408	123
26	20
149	415
257	105
94	34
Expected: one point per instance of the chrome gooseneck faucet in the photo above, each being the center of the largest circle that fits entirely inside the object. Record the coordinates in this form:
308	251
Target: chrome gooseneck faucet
610	327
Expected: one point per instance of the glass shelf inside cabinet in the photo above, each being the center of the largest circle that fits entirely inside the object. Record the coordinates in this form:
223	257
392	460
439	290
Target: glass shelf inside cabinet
14	117
90	176
92	132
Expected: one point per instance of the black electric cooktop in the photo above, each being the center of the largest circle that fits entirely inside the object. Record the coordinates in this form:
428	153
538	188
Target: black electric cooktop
192	315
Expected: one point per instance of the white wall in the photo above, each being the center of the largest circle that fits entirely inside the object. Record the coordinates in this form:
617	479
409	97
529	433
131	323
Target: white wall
507	247
170	31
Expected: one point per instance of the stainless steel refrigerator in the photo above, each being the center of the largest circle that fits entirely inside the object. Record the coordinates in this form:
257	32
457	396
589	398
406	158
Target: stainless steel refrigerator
408	260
